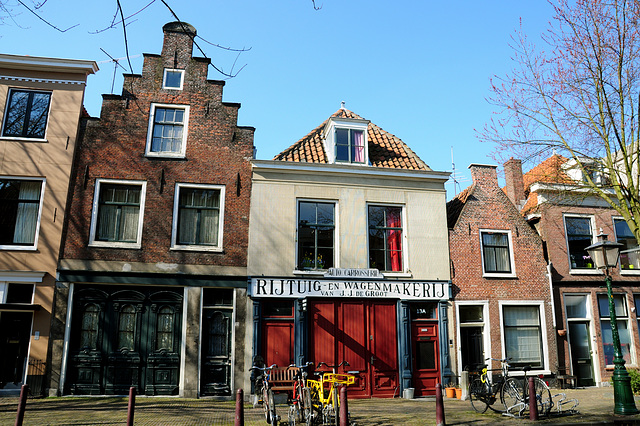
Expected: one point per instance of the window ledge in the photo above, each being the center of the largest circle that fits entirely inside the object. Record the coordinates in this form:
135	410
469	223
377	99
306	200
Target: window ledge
19	248
166	155
319	272
612	367
629	271
114	245
18	139
491	275
585	272
530	373
197	248
397	274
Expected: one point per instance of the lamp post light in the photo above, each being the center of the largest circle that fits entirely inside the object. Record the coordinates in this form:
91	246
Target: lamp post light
605	255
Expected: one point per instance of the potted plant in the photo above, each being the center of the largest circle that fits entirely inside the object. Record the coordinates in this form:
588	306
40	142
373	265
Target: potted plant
450	390
458	393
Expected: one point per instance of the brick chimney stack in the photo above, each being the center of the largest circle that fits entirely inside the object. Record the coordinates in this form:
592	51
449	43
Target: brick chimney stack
514	181
484	175
177	46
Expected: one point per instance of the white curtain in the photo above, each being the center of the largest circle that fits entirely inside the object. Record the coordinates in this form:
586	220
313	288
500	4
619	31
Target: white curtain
496	252
27	220
522	333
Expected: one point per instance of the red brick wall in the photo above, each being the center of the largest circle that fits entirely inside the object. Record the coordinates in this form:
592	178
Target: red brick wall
218	151
487	207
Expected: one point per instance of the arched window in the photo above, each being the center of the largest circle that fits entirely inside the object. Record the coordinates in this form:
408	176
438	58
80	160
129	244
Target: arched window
89	330
126	327
164	330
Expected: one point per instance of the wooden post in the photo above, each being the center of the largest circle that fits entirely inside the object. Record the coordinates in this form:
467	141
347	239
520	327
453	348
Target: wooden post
239	408
22	405
132	405
439	406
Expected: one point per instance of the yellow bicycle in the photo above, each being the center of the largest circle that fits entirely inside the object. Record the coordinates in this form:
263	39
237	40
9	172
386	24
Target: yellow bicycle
324	393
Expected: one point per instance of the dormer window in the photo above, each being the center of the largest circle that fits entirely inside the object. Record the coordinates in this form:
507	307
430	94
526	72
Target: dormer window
350	145
172	79
346	141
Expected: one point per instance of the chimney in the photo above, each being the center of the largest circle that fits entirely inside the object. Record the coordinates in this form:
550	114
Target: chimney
514	180
484	174
177	46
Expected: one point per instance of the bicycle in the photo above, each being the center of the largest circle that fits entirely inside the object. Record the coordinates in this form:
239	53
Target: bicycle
514	392
328	403
301	408
268	402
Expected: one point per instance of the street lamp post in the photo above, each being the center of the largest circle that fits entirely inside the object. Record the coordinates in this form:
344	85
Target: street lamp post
605	255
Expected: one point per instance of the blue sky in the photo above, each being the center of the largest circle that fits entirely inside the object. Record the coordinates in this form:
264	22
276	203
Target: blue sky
418	69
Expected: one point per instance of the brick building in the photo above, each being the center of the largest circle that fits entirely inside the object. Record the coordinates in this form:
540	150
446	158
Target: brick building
155	255
40	106
502	293
348	259
569	218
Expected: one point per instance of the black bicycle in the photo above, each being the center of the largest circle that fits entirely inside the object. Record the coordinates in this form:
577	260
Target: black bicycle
268	402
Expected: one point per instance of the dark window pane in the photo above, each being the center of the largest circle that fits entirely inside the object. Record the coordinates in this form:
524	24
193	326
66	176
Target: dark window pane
278	308
579	237
19	211
471	313
423	311
27	114
426	355
315	235
19	293
118	212
218	297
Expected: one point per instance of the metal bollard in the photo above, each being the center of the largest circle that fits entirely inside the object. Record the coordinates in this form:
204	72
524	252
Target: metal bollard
22	405
132	405
533	403
439	406
344	409
239	408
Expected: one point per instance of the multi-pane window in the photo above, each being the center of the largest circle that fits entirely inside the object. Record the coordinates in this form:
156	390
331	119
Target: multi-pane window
26	114
167	130
118	212
20	207
199	213
622	320
164	330
316	228
579	237
126	327
350	145
385	238
629	252
495	252
523	335
172	79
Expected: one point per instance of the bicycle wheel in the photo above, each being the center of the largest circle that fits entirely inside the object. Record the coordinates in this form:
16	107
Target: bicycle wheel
265	405
511	395
306	406
543	397
478	395
272	409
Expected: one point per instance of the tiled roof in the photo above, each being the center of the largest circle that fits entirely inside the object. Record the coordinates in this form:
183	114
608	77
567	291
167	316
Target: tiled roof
385	149
455	206
549	171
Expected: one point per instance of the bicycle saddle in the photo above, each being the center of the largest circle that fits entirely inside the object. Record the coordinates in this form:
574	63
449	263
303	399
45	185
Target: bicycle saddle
526	368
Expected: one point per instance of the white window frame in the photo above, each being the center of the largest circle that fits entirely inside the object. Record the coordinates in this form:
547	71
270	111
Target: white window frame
15	277
405	246
577	271
6	111
94	214
336	256
543	329
164	78
630	271
174	226
632	340
329	138
511	259
486	327
185	131
34	246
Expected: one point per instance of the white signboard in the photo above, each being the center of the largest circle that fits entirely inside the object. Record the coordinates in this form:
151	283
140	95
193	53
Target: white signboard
299	288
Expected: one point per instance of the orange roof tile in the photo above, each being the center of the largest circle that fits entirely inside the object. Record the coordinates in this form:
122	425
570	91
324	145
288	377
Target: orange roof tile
549	171
385	149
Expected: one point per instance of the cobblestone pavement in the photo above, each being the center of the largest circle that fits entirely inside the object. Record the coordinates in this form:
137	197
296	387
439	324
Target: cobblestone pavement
596	407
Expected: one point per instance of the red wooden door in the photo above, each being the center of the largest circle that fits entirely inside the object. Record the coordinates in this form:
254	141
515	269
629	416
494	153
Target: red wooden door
277	343
364	335
426	361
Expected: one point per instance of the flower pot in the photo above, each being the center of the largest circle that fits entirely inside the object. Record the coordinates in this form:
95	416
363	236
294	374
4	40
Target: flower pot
451	392
458	393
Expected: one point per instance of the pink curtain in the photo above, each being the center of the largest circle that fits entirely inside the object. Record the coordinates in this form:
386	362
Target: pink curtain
358	146
395	239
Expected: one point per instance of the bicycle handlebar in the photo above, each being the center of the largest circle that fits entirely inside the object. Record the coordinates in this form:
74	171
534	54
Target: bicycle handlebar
333	366
255	367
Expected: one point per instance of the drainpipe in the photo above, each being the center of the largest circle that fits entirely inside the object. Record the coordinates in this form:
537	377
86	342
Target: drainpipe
553	304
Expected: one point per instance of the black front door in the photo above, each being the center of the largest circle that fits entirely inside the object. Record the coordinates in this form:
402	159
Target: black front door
216	342
15	331
471	347
580	344
123	337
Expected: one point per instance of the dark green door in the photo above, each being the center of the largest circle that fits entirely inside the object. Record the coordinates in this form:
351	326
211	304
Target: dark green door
123	337
215	351
581	352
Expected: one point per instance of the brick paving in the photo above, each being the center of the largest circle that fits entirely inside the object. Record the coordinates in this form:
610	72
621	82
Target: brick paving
596	407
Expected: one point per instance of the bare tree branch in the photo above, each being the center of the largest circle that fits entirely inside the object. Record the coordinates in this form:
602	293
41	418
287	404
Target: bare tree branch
44	20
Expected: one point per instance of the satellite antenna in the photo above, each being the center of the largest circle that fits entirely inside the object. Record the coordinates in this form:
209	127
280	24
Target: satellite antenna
116	64
455	177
